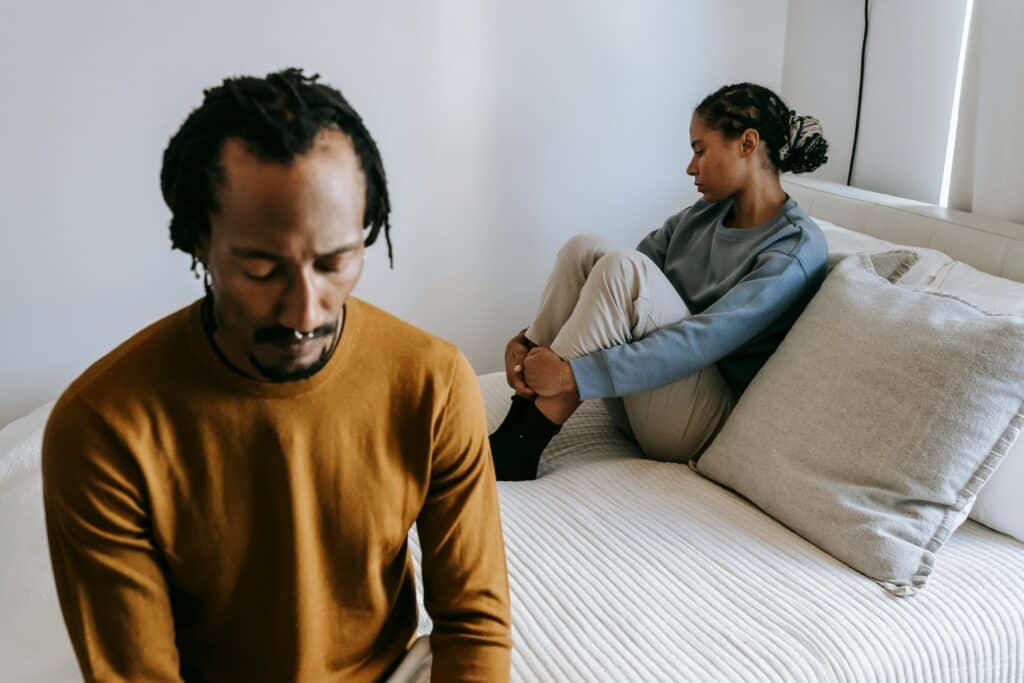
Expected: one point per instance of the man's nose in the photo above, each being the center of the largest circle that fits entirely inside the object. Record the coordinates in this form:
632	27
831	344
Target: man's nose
300	309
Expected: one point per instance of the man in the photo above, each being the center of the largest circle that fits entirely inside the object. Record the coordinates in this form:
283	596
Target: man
228	493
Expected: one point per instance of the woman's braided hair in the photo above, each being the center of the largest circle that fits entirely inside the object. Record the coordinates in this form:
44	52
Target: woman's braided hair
277	117
794	143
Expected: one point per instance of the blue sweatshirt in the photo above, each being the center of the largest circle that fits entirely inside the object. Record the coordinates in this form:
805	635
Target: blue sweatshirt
744	287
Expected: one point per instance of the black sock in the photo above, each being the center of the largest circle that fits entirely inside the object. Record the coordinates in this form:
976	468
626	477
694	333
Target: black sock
515	414
517	444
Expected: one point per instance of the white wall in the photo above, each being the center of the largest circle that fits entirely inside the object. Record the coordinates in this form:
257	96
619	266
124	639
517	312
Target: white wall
987	174
909	77
505	128
819	77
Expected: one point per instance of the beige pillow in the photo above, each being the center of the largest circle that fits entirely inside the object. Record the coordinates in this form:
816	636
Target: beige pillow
873	426
1000	505
842	242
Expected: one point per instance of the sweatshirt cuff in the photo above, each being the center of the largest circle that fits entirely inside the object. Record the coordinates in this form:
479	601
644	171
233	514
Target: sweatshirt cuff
593	380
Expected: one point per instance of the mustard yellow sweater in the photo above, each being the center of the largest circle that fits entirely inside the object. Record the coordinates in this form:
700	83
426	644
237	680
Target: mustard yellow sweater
204	526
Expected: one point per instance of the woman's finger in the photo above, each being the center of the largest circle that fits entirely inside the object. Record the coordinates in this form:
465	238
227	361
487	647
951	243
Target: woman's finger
525	391
521	387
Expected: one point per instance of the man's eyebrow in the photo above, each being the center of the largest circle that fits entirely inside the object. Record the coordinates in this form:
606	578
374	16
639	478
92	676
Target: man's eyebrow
248	252
343	249
245	252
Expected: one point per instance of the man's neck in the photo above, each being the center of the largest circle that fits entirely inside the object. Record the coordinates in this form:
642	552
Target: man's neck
242	366
209	318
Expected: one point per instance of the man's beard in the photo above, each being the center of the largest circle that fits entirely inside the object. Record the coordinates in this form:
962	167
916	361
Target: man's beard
275	375
278	334
269	334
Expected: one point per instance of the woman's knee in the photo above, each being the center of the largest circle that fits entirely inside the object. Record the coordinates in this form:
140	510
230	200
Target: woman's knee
584	248
618	264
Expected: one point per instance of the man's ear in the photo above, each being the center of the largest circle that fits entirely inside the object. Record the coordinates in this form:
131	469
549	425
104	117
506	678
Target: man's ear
750	140
203	251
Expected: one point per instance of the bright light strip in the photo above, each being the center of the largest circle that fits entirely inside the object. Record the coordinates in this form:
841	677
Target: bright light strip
947	170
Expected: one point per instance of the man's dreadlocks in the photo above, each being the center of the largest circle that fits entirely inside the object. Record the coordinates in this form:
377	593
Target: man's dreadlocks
277	118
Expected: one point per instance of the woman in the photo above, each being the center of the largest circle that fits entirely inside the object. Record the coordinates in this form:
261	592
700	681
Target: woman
678	327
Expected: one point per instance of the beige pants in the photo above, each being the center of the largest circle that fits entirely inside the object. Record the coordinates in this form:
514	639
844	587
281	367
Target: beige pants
597	297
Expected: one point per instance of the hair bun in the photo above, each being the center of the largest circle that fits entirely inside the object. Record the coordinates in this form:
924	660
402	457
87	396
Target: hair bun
806	148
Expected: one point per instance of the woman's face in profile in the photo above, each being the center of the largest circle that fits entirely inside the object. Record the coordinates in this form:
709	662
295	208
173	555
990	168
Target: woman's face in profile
717	164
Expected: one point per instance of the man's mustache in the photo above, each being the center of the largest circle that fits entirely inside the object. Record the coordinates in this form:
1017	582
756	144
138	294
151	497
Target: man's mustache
278	334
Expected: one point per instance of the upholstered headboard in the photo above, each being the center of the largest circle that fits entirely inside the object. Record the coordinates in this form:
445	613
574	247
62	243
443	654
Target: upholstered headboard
988	244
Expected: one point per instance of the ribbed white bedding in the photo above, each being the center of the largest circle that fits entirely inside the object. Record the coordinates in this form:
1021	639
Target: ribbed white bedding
623	569
628	570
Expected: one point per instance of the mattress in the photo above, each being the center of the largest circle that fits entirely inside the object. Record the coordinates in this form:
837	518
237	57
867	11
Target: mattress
624	569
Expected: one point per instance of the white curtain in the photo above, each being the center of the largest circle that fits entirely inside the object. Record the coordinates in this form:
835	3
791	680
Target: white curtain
988	162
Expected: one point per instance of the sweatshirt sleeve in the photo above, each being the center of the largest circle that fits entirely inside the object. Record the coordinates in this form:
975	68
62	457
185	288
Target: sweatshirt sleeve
465	579
776	282
112	592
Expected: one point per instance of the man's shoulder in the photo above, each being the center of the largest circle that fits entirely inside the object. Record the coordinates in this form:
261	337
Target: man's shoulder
135	360
106	389
400	339
395	353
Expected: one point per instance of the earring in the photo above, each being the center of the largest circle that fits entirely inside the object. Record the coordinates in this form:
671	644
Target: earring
207	278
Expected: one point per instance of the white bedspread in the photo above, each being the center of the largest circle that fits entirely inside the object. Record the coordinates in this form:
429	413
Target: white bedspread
622	569
627	570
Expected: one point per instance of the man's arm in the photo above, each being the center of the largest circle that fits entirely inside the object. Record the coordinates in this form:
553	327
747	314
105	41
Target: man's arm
111	589
464	573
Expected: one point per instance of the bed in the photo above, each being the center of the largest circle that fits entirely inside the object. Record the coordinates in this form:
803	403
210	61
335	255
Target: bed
624	569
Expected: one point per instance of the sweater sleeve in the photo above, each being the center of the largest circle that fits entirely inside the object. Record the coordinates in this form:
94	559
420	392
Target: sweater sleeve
465	578
671	353
112	592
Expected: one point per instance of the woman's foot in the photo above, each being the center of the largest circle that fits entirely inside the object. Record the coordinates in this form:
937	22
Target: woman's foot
558	409
517	444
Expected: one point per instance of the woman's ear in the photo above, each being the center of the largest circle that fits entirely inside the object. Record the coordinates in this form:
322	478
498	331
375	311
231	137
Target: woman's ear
749	142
